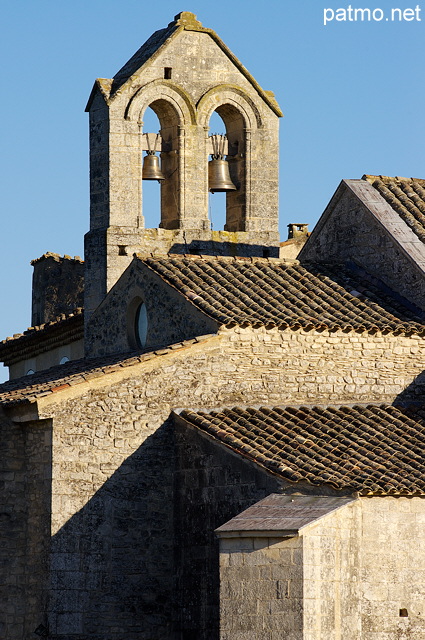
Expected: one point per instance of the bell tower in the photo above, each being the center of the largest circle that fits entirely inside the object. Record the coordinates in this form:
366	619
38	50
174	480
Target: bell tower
183	73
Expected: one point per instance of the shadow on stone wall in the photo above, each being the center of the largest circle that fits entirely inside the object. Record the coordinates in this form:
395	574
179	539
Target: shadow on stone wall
25	516
212	485
140	559
414	393
112	562
213	248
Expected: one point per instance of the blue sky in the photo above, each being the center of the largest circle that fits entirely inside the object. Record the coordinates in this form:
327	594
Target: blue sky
352	93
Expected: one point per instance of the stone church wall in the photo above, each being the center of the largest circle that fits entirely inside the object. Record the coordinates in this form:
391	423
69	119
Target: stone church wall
392	571
296	367
113	459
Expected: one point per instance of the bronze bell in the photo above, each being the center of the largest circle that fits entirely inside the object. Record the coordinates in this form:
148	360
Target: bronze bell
219	177
218	168
151	167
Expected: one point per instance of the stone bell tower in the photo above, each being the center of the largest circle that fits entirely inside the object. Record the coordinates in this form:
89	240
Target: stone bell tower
184	73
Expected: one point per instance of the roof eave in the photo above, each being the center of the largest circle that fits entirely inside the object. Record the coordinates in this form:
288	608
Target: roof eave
100	86
257	533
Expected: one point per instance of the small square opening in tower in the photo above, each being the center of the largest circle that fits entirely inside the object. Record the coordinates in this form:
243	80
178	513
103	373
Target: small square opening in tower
167	73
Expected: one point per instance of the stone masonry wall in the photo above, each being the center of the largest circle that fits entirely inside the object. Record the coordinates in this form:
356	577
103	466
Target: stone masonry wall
12	529
261	588
113	459
57	287
393	568
296	367
212	485
364	572
24	526
332	576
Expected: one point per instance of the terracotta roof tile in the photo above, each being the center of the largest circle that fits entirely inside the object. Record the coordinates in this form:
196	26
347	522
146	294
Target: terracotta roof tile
64	329
406	196
369	449
272	292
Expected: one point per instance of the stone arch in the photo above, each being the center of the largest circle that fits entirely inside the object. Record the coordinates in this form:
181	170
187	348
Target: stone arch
170	94
175	111
226	94
241	118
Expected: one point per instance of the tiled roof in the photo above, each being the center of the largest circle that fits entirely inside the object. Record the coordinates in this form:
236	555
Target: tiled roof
64	329
406	196
271	292
44	383
369	449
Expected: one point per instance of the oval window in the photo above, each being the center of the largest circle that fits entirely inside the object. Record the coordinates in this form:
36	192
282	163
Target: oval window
141	325
30	372
64	360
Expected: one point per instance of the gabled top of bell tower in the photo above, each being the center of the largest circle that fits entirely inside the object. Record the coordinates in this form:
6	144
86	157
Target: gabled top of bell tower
185	20
184	73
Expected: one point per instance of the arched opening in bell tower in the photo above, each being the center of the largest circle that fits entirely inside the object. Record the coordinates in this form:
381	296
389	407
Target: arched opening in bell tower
151	188
227	209
160	137
217	200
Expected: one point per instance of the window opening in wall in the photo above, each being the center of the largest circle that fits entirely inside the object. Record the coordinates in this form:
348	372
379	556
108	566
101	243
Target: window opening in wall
151	188
167	73
217	201
63	360
141	325
30	372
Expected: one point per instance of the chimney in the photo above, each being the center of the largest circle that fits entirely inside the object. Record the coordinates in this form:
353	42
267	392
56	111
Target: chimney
297	230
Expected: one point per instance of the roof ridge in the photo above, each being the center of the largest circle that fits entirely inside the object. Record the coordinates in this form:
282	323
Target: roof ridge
210	258
406	196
